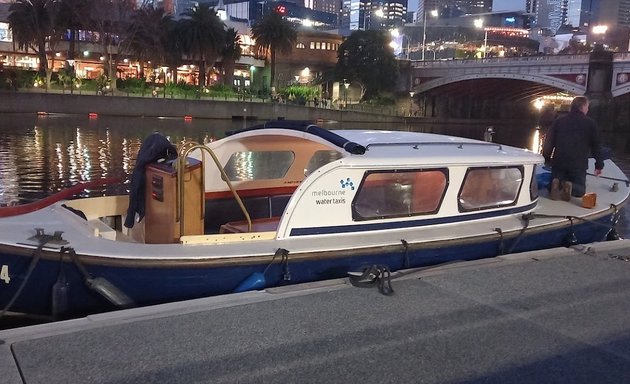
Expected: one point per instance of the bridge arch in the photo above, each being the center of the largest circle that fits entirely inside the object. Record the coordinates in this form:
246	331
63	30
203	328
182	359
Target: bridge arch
550	81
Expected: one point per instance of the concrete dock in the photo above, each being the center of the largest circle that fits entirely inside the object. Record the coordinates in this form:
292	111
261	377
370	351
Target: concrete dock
553	316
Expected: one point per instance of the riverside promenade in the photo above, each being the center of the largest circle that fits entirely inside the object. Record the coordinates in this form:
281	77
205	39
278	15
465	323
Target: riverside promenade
552	316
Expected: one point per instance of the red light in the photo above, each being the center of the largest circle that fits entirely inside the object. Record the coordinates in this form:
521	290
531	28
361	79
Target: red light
281	9
187	118
93	115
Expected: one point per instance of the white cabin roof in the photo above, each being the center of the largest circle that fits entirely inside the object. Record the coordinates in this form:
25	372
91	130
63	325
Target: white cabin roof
401	148
427	148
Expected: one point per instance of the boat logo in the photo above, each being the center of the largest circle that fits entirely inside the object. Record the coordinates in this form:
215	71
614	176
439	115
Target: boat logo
347	183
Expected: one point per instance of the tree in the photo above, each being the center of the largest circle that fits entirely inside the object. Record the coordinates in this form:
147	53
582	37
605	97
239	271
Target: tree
110	18
366	57
73	16
174	46
204	34
147	34
274	34
32	23
576	47
231	52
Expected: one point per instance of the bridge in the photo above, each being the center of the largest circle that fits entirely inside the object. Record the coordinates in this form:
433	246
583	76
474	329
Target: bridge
524	78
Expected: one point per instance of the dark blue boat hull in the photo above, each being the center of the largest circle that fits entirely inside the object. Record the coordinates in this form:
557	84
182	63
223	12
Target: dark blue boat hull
158	283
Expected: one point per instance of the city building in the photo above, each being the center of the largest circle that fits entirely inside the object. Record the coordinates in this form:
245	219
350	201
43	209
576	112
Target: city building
612	13
379	14
300	15
311	60
453	8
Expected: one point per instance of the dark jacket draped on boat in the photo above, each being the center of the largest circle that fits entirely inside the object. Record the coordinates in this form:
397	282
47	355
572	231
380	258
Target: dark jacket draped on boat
153	148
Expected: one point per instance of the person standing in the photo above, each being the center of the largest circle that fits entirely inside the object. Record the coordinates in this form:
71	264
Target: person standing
569	142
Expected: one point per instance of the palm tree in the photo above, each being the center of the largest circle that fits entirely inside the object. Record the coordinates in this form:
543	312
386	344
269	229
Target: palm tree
110	18
204	34
31	23
231	52
73	17
274	34
146	35
174	46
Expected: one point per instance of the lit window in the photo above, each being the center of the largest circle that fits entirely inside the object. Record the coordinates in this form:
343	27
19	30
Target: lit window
321	158
300	46
399	194
312	45
490	187
258	165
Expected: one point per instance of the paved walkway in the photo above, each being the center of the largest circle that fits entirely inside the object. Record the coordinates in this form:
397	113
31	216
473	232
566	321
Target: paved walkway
554	316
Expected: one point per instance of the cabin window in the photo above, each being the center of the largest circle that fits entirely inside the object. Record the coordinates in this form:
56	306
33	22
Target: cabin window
490	187
321	158
250	165
399	193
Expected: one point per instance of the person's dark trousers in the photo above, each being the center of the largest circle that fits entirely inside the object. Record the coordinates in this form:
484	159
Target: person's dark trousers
575	176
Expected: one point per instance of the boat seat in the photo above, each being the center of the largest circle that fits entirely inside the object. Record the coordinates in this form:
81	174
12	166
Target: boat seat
266	224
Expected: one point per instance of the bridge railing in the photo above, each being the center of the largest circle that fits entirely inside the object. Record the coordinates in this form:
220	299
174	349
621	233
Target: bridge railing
524	60
621	56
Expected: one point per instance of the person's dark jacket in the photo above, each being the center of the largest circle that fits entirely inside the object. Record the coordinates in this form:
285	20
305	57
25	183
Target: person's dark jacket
571	139
153	148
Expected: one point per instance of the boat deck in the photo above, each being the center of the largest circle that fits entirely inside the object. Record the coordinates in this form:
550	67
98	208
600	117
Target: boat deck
553	316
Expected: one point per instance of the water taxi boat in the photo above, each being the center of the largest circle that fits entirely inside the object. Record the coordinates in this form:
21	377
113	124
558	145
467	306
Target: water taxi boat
284	203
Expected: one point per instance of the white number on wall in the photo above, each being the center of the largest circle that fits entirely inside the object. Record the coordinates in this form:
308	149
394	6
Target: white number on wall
4	274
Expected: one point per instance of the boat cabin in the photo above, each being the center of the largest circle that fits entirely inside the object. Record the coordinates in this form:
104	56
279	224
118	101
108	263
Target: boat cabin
280	182
302	182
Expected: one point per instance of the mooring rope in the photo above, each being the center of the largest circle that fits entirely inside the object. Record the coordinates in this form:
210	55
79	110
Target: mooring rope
374	275
43	240
406	253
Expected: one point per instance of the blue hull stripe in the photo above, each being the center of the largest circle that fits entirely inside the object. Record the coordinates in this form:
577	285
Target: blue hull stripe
406	224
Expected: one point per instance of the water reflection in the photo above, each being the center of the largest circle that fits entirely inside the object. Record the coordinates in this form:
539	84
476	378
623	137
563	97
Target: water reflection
42	154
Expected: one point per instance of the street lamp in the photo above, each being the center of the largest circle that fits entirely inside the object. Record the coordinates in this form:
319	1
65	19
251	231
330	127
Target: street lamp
252	69
435	49
479	24
601	31
345	93
377	13
434	13
411	93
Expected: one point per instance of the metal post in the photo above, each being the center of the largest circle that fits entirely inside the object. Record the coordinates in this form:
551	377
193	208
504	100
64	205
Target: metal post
485	43
424	30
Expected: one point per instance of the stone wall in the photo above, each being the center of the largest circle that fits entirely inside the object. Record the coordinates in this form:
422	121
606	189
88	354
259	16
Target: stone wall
27	102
